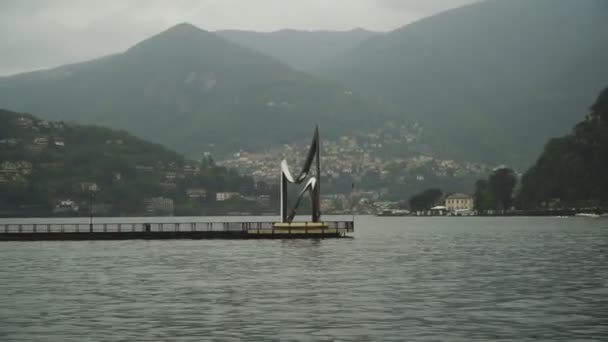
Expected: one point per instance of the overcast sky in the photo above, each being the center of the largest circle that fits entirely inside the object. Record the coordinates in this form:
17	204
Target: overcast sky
38	34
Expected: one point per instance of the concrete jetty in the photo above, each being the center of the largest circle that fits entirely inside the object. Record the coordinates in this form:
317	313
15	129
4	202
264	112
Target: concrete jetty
177	230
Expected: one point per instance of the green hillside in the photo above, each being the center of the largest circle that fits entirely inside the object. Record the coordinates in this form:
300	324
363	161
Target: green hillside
571	171
192	91
44	163
302	50
493	80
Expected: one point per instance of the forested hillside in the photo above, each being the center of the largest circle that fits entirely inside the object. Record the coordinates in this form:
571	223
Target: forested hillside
572	170
56	168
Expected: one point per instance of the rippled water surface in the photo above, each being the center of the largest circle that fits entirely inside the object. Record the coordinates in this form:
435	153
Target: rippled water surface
400	279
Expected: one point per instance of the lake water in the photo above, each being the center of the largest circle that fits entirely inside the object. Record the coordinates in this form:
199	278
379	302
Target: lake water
399	279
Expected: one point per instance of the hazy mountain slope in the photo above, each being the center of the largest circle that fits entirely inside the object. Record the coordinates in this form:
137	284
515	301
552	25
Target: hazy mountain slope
190	90
489	79
302	50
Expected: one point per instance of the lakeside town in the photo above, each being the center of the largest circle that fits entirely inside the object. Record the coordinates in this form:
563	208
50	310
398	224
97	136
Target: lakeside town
367	173
360	175
383	152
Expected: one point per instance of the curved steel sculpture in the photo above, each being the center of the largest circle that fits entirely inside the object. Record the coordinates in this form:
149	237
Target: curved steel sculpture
313	186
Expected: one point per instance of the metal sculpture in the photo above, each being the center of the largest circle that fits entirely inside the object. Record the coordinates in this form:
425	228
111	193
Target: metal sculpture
313	186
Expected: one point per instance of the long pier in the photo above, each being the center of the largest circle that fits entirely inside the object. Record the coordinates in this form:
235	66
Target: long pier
177	230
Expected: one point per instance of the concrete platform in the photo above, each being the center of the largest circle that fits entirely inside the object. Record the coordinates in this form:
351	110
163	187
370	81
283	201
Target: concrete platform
181	230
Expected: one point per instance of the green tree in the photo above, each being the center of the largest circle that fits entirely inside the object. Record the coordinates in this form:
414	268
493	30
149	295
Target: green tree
501	184
483	198
425	200
571	171
600	107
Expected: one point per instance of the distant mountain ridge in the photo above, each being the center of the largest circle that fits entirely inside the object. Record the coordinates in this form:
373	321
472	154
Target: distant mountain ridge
302	50
489	82
493	79
193	91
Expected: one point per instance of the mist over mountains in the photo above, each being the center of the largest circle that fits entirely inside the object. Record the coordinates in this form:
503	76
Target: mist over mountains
488	82
192	90
495	79
302	50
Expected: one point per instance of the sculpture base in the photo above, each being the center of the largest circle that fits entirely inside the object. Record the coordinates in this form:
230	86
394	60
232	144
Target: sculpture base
305	230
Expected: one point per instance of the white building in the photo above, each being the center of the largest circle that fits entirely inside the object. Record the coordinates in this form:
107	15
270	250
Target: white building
159	205
65	206
458	203
89	186
224	196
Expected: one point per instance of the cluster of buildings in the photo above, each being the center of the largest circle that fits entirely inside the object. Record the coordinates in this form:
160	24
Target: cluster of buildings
389	154
347	157
177	183
457	204
39	141
35	146
36	141
343	156
15	172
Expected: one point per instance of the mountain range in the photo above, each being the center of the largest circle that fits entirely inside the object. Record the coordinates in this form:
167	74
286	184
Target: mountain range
193	91
491	82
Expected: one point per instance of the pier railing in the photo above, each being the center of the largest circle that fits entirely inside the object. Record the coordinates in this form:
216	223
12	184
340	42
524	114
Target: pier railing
12	228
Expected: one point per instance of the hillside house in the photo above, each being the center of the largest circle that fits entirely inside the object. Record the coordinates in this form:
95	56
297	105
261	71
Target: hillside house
24	122
88	186
65	206
196	193
224	196
159	206
20	167
192	170
10	142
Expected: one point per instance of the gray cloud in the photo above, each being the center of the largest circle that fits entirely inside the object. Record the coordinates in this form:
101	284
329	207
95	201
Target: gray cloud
39	33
